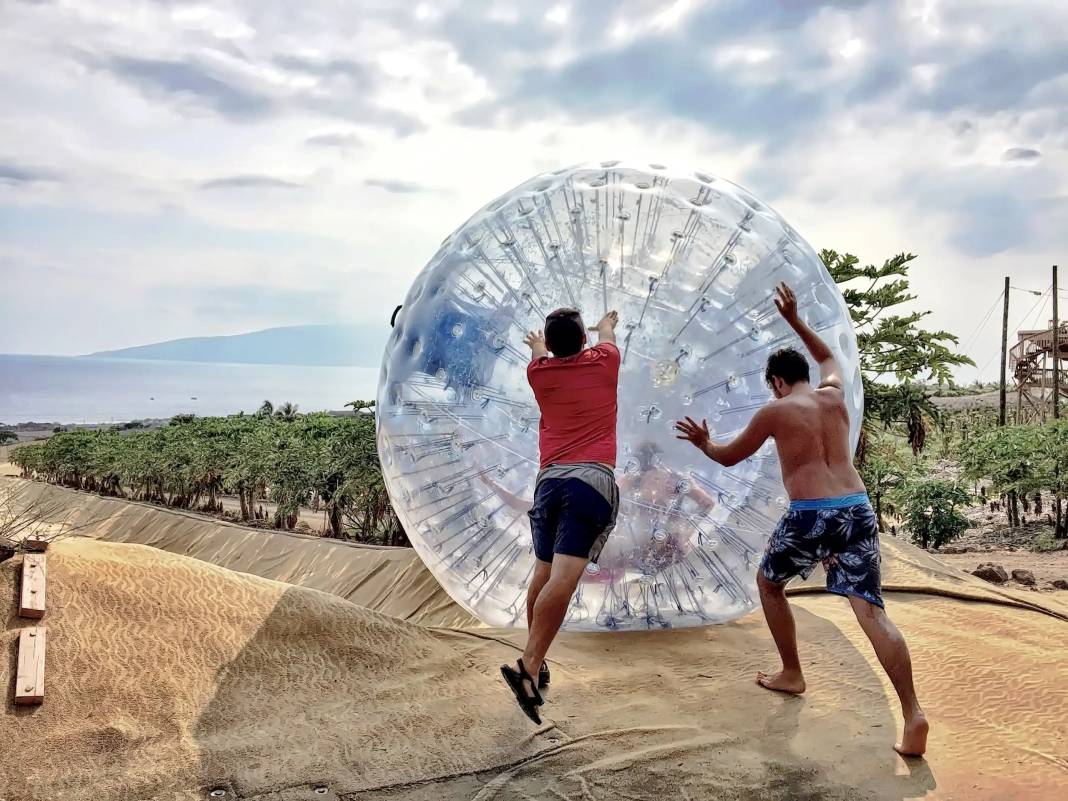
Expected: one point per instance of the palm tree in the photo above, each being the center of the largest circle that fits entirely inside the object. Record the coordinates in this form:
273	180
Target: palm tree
358	406
266	410
287	412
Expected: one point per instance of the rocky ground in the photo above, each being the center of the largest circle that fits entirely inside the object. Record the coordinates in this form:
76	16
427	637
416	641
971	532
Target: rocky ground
1024	555
1039	571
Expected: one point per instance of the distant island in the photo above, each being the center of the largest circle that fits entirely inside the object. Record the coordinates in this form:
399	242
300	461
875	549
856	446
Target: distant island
358	345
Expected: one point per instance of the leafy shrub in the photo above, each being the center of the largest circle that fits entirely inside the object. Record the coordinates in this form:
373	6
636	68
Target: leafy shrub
930	508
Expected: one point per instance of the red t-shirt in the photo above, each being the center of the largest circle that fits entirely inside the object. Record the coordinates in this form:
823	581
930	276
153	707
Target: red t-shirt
577	398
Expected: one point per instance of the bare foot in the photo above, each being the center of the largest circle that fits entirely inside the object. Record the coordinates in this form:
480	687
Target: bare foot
783	682
914	740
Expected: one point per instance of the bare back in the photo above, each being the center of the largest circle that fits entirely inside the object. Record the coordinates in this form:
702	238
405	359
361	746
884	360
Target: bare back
811	431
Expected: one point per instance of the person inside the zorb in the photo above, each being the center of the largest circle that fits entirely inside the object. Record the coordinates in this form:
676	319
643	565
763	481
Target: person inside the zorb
830	518
576	498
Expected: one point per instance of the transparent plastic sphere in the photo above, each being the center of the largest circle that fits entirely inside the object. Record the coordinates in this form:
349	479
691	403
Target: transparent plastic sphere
690	262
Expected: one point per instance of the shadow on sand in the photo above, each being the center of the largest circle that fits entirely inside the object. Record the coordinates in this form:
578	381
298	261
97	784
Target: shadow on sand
330	701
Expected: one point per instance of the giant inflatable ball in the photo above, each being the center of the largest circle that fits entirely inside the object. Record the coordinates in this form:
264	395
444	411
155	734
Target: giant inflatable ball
690	262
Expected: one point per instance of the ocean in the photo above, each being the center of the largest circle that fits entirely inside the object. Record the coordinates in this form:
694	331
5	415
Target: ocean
98	390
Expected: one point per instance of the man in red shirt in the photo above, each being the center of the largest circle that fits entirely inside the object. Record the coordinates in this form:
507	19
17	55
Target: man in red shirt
575	498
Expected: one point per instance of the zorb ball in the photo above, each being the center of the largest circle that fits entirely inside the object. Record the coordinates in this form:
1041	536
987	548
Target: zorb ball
690	262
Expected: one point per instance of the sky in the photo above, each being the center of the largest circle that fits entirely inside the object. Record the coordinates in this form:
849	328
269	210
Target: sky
173	168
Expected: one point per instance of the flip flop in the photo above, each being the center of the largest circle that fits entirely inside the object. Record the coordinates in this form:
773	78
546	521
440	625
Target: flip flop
528	703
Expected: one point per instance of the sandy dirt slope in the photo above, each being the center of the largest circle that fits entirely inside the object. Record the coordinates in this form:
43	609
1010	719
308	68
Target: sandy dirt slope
169	677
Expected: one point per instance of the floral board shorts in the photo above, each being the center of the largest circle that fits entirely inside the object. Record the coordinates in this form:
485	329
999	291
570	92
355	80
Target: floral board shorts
813	530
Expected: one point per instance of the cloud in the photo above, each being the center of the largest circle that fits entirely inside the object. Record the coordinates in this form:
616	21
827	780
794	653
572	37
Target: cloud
18	174
339	140
250	182
250	304
70	229
397	186
188	82
1026	155
361	74
671	72
995	78
655	82
936	127
990	210
244	90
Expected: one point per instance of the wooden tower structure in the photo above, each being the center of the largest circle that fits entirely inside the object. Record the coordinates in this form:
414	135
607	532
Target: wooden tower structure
1031	363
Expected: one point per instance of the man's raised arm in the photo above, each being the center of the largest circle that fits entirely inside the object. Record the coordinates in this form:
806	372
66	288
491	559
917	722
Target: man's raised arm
760	427
830	372
606	328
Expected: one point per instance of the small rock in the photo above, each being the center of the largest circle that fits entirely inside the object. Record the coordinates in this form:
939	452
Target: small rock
988	571
952	549
1059	584
1024	577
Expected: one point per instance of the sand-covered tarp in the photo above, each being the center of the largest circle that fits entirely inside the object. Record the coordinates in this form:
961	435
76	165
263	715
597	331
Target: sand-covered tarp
389	580
393	580
169	677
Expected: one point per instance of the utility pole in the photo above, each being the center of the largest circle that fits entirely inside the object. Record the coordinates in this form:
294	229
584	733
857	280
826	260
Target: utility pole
1004	350
1056	352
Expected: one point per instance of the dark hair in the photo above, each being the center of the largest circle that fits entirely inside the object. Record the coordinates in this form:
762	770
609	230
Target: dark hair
787	364
646	454
564	334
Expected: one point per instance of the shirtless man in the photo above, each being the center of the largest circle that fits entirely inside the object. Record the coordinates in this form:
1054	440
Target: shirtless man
829	520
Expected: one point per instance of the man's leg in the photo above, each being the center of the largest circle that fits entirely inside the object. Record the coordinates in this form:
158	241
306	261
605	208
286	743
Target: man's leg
550	608
893	655
781	622
537	581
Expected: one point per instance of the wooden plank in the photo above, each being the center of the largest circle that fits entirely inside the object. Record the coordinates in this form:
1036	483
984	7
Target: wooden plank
30	676
35	546
32	594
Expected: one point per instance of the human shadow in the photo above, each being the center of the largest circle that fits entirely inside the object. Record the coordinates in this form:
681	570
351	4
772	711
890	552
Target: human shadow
833	658
325	699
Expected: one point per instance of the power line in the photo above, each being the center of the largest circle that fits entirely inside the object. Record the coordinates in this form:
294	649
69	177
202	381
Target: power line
1028	291
1042	300
972	337
980	370
1027	314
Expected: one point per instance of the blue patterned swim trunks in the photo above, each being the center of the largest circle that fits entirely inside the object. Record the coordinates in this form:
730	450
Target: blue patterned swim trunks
815	529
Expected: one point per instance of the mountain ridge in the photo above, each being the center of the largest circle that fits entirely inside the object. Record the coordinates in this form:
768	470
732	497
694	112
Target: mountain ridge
320	345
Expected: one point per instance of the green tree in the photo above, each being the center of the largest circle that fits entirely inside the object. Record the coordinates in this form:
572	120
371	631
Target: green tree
7	436
904	407
1020	461
892	344
931	510
883	472
191	462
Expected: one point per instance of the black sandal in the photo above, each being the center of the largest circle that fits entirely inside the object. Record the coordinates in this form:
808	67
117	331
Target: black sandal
543	676
528	703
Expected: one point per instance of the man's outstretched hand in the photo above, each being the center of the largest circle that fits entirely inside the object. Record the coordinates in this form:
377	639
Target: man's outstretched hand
535	340
786	303
606	328
697	434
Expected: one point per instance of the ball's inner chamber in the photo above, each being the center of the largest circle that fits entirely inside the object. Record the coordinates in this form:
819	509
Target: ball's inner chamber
690	263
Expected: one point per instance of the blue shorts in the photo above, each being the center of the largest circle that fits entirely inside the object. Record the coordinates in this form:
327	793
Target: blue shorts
813	530
570	517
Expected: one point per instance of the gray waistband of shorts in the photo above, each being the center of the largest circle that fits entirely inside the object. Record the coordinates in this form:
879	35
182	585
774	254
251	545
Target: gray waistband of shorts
601	477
